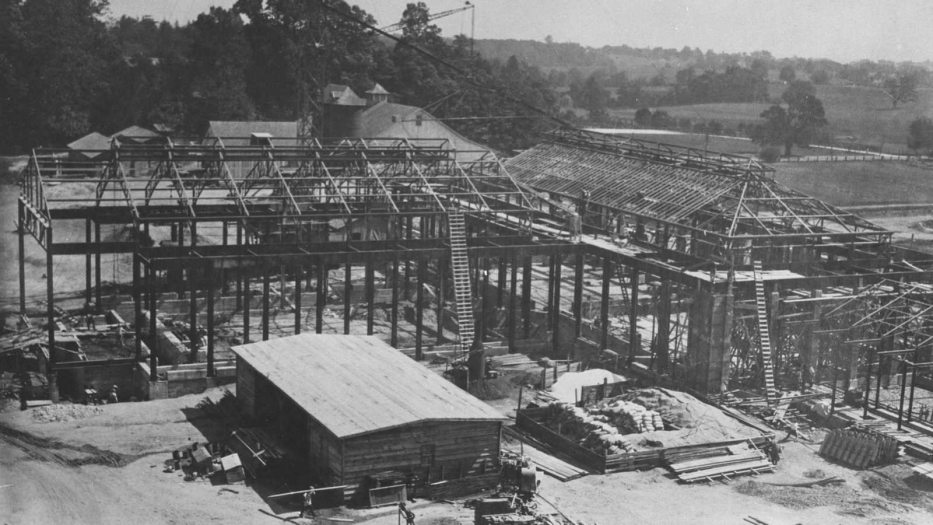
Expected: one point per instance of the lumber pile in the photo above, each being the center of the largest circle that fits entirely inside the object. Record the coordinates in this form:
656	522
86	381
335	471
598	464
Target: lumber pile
924	469
859	448
707	468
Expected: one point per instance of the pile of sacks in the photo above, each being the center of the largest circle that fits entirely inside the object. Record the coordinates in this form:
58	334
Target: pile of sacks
630	416
603	427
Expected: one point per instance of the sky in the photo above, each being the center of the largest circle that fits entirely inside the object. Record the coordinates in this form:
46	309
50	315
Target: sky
841	30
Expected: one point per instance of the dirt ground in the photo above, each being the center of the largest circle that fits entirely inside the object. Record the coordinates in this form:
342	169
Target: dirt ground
76	464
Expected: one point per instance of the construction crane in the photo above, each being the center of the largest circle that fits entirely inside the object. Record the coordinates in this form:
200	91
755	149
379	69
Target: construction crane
434	16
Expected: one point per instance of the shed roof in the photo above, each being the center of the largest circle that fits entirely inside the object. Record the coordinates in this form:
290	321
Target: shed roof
91	141
356	385
378	90
342	95
137	133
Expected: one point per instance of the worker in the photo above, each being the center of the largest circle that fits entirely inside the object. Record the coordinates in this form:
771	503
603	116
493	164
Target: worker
576	227
113	398
89	316
307	508
405	513
774	452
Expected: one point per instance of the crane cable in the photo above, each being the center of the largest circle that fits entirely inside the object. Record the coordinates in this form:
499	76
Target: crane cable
498	90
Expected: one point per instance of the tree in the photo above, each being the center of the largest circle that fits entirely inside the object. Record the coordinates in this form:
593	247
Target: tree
661	120
787	74
54	59
643	117
220	56
593	97
797	124
820	76
920	134
901	88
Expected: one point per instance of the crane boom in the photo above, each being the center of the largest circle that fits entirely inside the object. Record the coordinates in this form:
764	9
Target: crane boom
433	16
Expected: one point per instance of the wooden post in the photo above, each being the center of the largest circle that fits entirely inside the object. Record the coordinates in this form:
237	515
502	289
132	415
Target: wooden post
555	308
137	305
604	305
370	296
192	314
913	381
513	296
50	311
500	292
239	276
867	385
210	319
265	303
347	292
21	233
87	259
246	304
98	291
526	298
633	336
482	289
578	296
299	273
321	296
225	234
664	325
442	266
900	407
419	310
152	296
282	285
394	335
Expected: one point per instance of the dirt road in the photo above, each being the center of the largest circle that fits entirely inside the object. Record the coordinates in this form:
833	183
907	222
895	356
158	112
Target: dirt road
99	466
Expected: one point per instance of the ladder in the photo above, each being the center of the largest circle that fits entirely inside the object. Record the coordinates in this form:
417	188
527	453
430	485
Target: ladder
460	264
764	334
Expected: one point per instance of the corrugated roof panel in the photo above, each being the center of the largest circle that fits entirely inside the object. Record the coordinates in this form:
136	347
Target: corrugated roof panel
358	384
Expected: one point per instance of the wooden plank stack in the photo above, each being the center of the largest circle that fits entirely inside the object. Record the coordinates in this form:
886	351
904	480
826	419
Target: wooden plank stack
924	469
741	462
859	448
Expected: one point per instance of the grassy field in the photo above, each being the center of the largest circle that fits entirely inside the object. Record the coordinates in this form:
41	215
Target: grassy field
859	183
715	144
863	113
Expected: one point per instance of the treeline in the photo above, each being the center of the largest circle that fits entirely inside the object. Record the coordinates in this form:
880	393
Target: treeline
66	69
656	64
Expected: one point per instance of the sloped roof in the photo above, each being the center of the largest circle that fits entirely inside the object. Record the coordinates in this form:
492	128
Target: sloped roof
729	195
391	120
342	95
378	90
356	385
655	190
237	133
377	119
137	132
91	141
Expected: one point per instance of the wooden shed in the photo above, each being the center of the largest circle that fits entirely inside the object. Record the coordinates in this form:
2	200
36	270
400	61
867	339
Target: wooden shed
352	407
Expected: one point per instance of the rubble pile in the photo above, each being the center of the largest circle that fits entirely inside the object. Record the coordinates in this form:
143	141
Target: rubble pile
64	412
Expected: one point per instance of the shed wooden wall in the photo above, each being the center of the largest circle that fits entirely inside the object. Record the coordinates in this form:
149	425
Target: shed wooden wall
246	387
460	448
258	397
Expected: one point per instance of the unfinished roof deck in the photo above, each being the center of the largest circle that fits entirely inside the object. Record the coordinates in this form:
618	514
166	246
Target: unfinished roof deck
713	207
355	385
